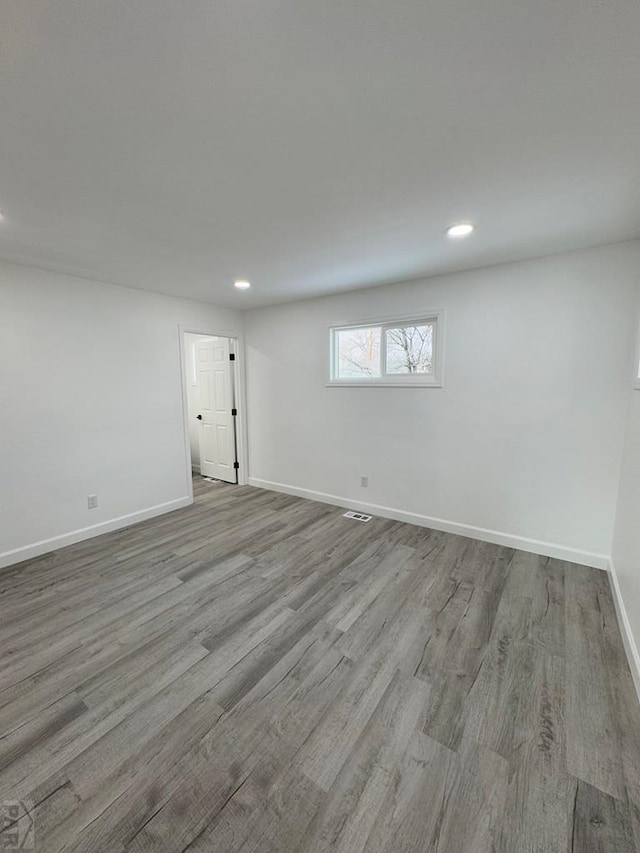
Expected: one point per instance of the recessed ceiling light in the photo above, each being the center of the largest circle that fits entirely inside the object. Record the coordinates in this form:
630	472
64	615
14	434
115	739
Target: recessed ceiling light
460	229
242	285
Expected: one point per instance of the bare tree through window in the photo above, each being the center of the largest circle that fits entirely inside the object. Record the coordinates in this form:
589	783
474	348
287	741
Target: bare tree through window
373	352
409	349
359	352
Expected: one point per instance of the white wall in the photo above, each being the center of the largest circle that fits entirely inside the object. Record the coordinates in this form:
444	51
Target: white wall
528	445
91	403
525	438
626	542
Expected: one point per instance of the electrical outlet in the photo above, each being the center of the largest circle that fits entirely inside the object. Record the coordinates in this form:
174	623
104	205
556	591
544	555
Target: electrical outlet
92	501
364	481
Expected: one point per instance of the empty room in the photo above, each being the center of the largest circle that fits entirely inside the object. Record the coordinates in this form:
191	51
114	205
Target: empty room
320	426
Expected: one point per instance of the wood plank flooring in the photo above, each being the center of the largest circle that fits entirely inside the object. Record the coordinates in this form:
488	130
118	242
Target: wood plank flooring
257	673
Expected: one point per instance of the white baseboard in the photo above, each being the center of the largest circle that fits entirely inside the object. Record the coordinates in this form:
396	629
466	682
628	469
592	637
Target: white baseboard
534	546
630	647
28	552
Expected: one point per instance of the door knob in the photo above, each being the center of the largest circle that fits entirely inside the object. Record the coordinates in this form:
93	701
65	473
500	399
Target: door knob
199	417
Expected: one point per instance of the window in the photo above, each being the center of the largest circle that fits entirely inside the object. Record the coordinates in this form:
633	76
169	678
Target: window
404	352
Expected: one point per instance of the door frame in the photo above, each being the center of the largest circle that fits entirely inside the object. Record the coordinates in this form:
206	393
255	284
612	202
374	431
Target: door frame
239	379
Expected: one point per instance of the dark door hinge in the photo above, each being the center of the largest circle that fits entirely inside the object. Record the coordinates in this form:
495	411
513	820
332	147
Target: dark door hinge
236	465
232	356
234	412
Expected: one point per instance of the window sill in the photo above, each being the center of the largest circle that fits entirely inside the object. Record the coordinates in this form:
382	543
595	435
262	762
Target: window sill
382	383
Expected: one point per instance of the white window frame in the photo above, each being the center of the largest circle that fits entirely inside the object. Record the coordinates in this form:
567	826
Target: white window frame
391	380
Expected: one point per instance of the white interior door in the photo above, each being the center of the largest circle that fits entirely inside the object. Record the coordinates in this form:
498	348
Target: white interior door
217	437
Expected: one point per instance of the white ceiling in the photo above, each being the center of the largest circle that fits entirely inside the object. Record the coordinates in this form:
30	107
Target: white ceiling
312	145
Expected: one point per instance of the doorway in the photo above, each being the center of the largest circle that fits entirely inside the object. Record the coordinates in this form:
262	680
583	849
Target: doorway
211	406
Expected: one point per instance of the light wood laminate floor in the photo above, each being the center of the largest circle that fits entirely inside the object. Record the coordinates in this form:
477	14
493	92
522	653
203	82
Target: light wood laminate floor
257	673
